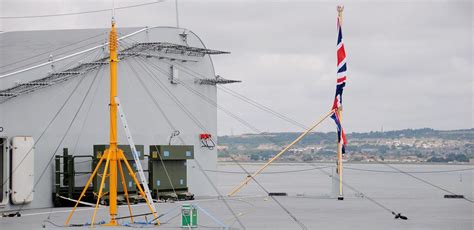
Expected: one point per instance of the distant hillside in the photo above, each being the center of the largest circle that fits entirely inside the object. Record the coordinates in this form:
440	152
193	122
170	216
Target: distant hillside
409	145
284	138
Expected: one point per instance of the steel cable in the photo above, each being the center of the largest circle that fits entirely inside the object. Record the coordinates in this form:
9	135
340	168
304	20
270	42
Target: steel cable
46	128
215	104
196	122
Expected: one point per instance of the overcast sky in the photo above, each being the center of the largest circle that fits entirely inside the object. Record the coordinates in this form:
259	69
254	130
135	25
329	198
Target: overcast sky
410	63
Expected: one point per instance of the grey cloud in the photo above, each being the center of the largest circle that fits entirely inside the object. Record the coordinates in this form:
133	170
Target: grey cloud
410	63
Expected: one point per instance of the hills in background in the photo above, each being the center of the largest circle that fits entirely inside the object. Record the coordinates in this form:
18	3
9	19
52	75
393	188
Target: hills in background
409	145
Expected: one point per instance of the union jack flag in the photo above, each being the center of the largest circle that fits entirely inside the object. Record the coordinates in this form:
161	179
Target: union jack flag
341	82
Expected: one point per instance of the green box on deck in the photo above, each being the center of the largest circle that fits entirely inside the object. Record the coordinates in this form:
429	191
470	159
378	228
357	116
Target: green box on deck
188	216
171	159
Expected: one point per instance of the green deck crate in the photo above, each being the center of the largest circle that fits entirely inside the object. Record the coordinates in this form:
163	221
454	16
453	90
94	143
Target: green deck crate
173	159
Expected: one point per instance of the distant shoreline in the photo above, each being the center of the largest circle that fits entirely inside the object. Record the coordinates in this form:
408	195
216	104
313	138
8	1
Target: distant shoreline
332	162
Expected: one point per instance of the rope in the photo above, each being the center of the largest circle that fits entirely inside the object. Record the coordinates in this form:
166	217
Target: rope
242	97
191	116
46	128
156	148
64	136
50	52
374	201
196	122
397	215
302	226
67	131
276	172
215	104
422	180
82	12
81	202
86	119
280	115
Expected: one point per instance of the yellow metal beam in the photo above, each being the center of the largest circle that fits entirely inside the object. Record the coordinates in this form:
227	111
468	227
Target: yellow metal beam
124	185
85	189
142	193
104	175
244	182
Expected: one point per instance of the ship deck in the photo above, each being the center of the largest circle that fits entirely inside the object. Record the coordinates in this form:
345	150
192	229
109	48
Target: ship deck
308	200
263	213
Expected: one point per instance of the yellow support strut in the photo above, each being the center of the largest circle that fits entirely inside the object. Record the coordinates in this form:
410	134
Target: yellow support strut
244	182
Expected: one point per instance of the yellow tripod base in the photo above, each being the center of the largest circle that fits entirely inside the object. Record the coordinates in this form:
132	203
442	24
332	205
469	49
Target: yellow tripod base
116	156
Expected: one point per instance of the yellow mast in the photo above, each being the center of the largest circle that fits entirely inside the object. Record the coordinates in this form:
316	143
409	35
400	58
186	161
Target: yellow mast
339	114
113	149
113	156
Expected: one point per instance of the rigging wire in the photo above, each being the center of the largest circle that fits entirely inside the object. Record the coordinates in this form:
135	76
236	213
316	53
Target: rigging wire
215	104
87	118
51	51
82	12
156	148
422	180
66	133
371	199
396	215
62	138
350	168
274	172
191	116
169	123
254	103
208	100
302	226
401	171
13	170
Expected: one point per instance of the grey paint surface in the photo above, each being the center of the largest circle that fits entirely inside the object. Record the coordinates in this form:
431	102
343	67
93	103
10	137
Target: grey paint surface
30	114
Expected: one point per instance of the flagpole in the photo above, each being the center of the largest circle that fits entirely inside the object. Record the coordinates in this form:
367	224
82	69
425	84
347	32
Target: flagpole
338	112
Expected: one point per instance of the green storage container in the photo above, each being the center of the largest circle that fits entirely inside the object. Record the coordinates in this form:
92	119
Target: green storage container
188	216
173	159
